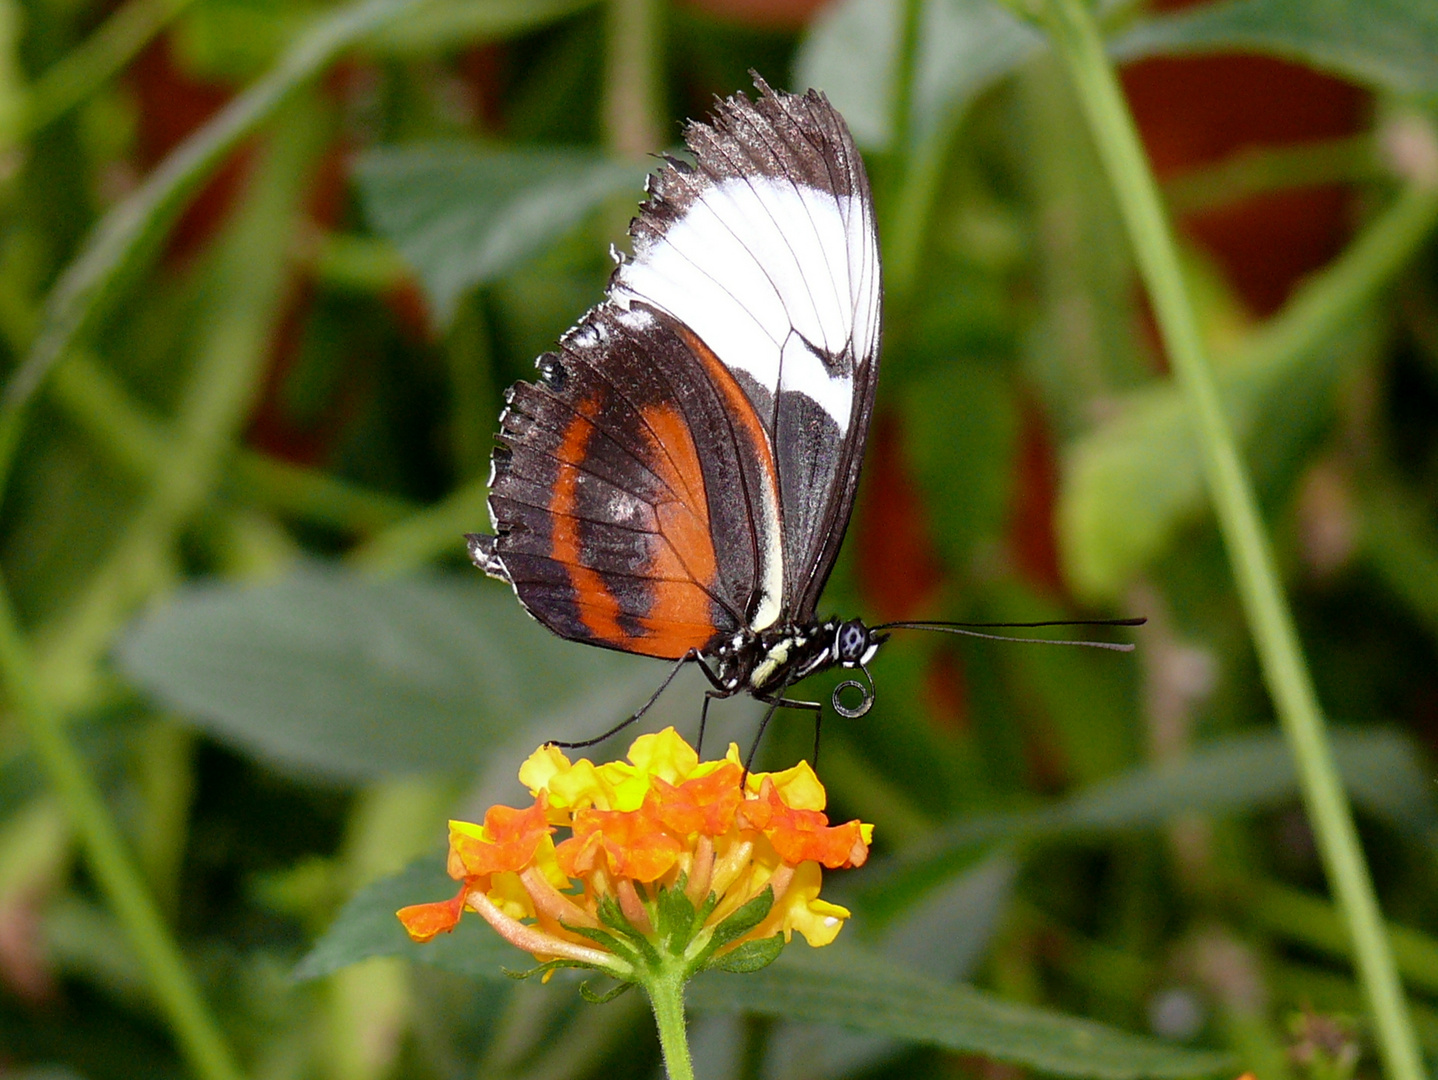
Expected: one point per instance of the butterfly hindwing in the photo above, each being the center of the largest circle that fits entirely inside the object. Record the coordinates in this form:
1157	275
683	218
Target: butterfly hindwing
619	493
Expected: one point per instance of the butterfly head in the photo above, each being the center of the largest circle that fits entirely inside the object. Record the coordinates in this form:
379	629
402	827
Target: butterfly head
854	644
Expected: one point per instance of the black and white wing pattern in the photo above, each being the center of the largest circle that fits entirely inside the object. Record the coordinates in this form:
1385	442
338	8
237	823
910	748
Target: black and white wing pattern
767	250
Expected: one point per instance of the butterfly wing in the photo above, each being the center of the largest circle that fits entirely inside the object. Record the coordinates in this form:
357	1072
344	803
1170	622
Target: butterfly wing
619	491
766	248
685	468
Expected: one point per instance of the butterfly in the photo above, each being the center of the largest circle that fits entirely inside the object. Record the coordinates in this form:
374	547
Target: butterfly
678	480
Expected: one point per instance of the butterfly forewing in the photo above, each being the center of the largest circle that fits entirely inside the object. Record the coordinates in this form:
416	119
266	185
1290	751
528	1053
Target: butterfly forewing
686	466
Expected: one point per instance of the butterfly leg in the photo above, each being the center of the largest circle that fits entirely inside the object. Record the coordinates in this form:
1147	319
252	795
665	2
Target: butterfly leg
775	703
720	691
692	654
709	695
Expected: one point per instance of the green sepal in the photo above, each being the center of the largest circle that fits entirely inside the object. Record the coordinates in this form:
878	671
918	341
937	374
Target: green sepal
707	908
731	929
743	920
618	946
609	995
612	916
676	919
548	966
750	956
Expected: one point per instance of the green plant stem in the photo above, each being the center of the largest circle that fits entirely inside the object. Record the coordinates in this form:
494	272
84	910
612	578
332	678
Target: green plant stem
666	995
248	283
912	175
103	54
133	229
139	443
426	534
633	59
1077	39
906	62
114	869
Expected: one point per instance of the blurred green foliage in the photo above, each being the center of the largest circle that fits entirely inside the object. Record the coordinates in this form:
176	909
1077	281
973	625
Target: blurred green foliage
265	270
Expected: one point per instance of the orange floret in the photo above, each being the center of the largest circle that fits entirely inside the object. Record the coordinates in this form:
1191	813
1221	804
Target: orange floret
803	835
635	843
425	921
704	805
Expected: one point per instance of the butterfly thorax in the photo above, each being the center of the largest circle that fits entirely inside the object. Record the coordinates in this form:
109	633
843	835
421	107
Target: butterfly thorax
765	661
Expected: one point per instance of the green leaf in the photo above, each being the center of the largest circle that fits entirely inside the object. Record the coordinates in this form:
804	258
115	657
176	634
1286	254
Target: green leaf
847	986
331	672
750	956
965	46
1388	44
367	927
463	216
1382	770
1130	485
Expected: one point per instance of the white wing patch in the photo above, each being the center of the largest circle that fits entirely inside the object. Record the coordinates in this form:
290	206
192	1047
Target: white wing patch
771	557
803	371
756	267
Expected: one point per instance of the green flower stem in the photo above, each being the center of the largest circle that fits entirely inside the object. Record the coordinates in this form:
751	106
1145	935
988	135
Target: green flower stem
1077	39
666	994
115	870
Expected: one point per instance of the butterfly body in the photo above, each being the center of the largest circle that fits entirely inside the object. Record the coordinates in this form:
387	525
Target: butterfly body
677	481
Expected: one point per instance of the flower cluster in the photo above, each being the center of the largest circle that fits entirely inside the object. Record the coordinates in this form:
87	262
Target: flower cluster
709	866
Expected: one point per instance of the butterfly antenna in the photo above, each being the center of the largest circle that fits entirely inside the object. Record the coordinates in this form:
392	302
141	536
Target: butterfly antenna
968	629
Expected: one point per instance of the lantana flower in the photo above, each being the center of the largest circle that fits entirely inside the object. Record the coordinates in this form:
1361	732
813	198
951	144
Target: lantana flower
651	869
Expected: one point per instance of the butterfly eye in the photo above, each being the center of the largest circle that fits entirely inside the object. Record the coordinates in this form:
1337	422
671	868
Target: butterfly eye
853	640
